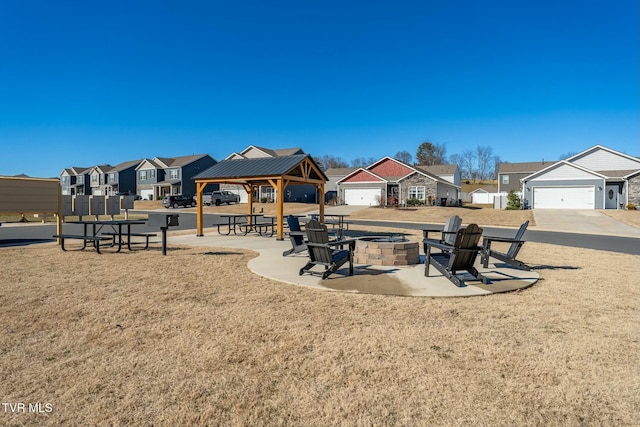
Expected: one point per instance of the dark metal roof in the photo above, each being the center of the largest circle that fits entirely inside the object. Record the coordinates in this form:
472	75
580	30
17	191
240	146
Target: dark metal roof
257	167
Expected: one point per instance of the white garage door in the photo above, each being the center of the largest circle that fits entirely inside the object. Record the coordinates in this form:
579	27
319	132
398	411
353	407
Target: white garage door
563	197
362	196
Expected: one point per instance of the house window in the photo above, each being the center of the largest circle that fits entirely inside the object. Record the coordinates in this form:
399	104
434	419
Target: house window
143	175
505	179
416	192
65	180
94	178
173	174
112	177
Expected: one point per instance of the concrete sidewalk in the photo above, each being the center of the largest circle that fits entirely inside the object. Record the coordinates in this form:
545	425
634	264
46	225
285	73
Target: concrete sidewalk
405	281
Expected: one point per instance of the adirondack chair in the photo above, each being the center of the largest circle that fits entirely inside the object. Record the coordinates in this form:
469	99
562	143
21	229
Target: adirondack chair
451	227
510	255
297	236
329	254
457	257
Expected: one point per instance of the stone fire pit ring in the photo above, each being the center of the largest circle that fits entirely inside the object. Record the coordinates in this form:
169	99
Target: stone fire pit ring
386	250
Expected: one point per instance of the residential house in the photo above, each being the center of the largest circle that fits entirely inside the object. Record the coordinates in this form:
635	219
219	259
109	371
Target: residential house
449	173
98	179
121	179
597	178
75	181
510	174
292	193
163	176
331	187
391	182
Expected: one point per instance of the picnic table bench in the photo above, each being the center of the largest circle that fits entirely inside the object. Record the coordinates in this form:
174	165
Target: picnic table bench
114	234
95	239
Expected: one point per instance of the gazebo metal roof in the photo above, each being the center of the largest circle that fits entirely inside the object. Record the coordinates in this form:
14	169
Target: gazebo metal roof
277	172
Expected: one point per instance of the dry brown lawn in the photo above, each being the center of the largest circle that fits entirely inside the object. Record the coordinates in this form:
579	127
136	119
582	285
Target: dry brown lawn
194	338
436	214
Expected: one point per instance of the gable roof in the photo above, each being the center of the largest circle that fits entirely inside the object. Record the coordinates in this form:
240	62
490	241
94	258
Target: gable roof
259	167
375	177
523	167
126	165
601	147
339	171
268	152
559	164
486	189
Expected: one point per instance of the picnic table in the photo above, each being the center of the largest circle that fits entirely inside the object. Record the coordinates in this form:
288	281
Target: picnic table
246	223
116	230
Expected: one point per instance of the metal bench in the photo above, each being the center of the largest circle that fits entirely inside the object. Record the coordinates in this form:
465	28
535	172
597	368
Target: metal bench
113	235
95	239
261	227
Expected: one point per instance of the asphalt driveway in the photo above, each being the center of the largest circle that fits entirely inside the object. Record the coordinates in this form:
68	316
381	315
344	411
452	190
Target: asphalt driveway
581	221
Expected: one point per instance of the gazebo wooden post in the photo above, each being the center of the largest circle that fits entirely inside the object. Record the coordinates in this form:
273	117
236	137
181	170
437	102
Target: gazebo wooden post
250	201
199	214
280	219
321	202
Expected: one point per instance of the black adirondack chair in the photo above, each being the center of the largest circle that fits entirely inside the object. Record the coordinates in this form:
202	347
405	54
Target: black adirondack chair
448	232
457	257
297	236
510	255
329	254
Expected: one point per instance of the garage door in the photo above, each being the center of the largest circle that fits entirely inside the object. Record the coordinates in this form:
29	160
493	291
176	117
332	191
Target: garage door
563	197
362	196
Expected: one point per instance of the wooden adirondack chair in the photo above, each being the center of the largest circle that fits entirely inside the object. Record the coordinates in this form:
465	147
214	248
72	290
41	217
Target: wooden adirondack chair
510	255
323	252
457	257
297	236
448	232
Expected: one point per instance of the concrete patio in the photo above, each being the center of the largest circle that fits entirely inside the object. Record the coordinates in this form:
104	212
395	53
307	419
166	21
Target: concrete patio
369	279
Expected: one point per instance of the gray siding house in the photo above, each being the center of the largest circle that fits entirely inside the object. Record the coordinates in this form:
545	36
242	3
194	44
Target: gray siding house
292	193
75	181
510	174
597	178
162	176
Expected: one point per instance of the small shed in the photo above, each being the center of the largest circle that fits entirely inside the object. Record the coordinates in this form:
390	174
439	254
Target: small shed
484	195
277	172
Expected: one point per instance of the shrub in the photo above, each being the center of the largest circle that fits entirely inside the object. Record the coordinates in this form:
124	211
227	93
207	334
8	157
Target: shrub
513	201
631	207
413	202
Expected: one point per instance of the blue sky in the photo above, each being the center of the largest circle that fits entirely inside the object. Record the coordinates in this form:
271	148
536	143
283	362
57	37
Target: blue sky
86	83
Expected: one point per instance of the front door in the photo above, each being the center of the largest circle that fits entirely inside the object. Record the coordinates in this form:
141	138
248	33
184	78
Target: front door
612	196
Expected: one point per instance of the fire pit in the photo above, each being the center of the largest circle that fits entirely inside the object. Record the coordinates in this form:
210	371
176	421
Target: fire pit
386	250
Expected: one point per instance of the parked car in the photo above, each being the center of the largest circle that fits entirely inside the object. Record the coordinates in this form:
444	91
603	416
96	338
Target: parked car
177	201
219	197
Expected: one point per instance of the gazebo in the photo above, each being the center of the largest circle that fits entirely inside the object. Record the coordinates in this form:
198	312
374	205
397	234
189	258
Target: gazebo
278	172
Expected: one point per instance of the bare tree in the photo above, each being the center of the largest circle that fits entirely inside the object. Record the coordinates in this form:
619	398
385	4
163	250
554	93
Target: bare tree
404	156
328	161
430	154
456	159
468	164
362	162
485	166
496	166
